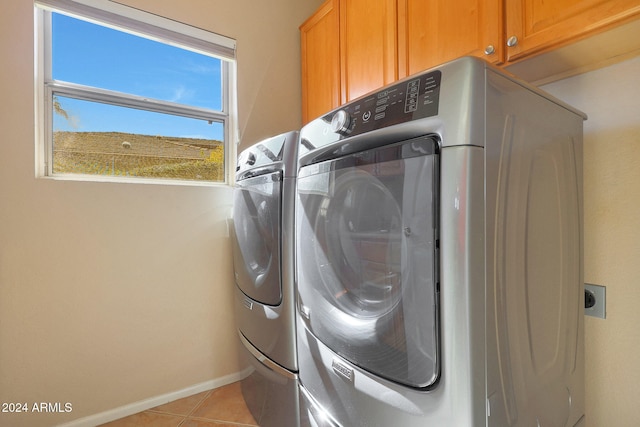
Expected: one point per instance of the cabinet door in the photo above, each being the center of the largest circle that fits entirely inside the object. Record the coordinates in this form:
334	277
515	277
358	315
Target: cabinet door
437	31
542	25
320	44
368	46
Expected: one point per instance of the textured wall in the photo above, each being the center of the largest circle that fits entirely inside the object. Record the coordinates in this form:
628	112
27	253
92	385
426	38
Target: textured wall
611	98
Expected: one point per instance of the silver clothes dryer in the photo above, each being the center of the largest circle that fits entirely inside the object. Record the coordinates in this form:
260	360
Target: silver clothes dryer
263	225
439	256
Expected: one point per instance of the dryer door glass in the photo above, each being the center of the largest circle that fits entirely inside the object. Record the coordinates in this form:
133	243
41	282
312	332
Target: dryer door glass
367	258
256	226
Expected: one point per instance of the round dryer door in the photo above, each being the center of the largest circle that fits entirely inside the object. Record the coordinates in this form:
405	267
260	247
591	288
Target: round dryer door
256	226
361	235
366	259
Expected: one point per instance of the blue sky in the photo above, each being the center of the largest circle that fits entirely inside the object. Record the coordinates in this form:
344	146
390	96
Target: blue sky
97	56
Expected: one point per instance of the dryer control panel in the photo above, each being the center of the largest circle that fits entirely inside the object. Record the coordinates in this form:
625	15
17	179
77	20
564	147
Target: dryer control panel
411	99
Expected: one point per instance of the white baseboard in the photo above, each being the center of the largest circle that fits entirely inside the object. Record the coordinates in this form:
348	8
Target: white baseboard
152	402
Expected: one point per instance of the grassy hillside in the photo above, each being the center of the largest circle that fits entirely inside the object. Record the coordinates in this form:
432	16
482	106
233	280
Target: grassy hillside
125	154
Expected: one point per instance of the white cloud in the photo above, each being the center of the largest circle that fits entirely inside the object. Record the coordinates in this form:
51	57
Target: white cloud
181	93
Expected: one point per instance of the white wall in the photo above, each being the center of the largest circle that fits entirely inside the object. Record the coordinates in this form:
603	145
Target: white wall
611	98
115	293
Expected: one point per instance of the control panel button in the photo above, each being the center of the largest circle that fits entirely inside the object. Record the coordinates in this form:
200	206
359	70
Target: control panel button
251	159
340	122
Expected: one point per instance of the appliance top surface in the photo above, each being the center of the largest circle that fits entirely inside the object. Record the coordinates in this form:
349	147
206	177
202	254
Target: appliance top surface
278	153
449	100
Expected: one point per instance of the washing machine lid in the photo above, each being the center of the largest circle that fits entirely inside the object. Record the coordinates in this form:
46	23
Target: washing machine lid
367	259
256	237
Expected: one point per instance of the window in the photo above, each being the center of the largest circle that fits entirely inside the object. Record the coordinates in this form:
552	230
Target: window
123	94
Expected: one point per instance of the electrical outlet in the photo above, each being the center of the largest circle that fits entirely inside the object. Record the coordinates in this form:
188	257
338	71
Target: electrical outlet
595	300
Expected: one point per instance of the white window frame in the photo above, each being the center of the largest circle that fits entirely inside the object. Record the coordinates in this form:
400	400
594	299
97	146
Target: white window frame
134	21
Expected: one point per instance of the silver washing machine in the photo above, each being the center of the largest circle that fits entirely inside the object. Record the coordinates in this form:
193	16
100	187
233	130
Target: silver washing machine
439	256
263	225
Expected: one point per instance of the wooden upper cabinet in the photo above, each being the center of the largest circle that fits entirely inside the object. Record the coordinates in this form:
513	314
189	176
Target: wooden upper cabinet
541	25
435	31
368	36
320	50
351	47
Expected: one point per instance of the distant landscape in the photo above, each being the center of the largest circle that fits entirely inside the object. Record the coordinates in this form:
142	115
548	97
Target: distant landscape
133	155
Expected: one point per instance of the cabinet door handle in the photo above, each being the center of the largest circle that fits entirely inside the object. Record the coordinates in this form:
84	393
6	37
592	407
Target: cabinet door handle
512	41
489	50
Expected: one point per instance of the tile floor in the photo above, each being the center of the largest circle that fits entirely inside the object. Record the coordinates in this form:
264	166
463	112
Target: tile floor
221	407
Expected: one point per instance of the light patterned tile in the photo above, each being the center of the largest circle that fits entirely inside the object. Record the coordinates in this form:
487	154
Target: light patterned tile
147	419
225	404
190	422
182	406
